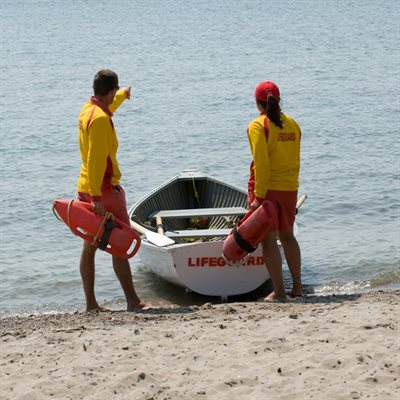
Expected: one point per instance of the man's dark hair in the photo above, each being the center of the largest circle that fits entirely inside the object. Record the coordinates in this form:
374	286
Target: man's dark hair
104	81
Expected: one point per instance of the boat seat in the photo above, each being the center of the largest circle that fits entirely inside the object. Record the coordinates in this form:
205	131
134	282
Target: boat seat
200	212
197	233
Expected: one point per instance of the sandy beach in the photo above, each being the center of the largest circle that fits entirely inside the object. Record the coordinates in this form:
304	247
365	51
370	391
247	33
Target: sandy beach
332	347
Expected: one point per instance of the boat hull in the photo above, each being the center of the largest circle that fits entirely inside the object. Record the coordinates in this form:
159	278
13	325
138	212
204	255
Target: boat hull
200	267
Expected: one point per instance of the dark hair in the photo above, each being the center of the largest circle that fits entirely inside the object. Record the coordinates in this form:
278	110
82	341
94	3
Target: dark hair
104	81
273	110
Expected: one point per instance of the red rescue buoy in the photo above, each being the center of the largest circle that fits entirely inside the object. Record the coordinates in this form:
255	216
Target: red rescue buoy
105	232
251	230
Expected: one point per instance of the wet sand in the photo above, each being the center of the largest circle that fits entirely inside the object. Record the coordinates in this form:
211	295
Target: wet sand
333	347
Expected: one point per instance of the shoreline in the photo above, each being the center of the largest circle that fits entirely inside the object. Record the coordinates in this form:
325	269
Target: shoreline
197	300
340	346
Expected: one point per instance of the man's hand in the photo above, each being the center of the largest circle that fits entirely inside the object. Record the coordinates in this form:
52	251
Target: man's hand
98	207
128	92
254	205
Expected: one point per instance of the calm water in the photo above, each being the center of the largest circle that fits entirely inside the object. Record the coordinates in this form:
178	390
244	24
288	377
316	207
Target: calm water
193	66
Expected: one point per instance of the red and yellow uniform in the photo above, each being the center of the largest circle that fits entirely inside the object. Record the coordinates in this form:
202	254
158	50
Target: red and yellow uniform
276	155
98	144
274	171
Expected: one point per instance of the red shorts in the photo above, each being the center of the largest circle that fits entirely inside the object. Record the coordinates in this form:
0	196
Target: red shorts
113	199
285	203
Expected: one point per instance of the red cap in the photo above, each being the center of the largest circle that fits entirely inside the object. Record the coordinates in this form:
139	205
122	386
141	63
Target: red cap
265	88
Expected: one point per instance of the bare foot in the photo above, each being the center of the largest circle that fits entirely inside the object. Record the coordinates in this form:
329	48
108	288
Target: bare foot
272	297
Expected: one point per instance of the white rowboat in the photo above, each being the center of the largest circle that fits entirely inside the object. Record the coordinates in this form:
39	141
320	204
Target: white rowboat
190	256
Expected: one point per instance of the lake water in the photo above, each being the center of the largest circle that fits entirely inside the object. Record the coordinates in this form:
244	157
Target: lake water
193	66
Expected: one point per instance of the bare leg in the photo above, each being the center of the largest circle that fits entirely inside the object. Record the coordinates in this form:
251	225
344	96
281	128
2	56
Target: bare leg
273	261
87	269
292	252
123	271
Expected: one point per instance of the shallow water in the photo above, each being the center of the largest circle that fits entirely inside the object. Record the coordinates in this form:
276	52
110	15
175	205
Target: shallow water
193	66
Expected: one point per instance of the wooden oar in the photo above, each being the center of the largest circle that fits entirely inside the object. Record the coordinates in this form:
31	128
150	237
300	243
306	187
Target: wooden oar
160	228
300	201
152	237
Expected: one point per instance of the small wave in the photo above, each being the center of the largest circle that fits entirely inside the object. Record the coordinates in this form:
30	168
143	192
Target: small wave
389	280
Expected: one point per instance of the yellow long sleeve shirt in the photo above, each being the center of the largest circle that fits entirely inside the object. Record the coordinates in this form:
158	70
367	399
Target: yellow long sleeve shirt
98	145
276	155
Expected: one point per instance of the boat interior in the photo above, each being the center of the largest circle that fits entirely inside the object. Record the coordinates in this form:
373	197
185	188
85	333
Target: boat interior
192	209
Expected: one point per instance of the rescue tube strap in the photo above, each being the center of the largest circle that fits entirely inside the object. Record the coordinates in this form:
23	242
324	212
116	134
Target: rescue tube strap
108	227
241	242
107	216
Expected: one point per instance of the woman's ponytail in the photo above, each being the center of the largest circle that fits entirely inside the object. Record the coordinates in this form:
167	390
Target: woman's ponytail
273	110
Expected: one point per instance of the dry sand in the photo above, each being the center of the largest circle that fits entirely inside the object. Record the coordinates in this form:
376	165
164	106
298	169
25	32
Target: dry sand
331	347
